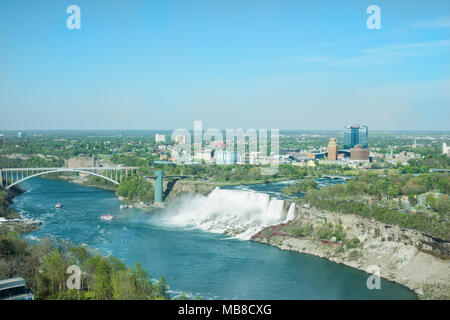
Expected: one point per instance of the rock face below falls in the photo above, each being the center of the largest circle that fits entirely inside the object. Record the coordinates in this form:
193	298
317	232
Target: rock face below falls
418	261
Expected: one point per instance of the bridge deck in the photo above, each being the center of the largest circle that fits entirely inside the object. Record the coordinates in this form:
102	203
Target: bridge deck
68	168
330	176
13	176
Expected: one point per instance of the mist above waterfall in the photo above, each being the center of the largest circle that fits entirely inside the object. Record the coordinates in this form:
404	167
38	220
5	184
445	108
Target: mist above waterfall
237	213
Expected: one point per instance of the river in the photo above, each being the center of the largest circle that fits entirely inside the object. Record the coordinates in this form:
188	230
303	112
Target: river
194	261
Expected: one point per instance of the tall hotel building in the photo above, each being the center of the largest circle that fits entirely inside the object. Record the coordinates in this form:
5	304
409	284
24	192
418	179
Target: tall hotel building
354	135
332	149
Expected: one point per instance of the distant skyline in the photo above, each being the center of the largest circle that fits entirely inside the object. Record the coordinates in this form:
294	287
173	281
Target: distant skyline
291	65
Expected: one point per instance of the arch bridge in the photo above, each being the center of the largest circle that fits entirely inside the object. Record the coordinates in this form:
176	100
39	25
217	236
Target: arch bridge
12	176
330	176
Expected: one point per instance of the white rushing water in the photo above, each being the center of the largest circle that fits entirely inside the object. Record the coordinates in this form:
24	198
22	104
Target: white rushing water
237	213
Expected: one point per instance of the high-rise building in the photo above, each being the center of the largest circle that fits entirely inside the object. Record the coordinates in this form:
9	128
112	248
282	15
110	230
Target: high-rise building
160	138
445	149
354	135
332	149
179	139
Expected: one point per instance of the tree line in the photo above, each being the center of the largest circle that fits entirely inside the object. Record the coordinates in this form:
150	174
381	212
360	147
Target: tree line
44	267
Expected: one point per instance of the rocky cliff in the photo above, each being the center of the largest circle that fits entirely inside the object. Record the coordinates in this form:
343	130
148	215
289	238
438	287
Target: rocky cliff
176	188
418	261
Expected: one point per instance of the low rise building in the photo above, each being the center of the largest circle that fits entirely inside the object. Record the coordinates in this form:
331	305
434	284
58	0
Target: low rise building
358	153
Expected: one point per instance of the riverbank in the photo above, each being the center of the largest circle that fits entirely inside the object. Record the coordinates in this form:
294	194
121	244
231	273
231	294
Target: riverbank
410	258
416	261
406	257
186	250
10	220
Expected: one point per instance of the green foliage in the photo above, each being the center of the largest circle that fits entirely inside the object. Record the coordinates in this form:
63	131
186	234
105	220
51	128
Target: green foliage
328	231
5	201
300	187
423	165
352	243
439	204
54	269
391	185
435	226
136	188
31	162
102	280
303	231
44	268
376	196
231	173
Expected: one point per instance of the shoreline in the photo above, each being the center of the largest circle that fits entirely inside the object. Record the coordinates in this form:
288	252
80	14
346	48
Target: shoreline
422	287
402	255
417	295
315	248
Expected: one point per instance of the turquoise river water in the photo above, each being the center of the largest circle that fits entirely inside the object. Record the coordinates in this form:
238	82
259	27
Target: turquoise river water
192	260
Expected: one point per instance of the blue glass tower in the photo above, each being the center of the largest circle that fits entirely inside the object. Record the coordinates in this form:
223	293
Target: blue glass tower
354	135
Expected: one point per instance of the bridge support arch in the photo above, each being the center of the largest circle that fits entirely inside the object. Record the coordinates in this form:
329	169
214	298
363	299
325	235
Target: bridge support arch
18	175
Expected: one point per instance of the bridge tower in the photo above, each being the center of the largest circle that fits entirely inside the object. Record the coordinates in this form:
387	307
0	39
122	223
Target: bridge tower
159	186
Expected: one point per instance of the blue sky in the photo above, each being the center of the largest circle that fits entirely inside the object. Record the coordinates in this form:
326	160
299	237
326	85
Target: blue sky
232	64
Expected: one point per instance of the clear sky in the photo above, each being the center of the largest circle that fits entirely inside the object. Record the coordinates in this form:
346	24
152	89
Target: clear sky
232	64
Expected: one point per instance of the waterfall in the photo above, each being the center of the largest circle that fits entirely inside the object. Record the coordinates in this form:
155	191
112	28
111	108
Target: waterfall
237	213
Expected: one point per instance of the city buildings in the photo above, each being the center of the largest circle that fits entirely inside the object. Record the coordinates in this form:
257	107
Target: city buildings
160	138
81	162
354	135
445	149
332	149
226	157
358	153
180	139
205	155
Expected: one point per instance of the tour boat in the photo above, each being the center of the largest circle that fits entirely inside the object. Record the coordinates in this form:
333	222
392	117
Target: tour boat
58	205
107	217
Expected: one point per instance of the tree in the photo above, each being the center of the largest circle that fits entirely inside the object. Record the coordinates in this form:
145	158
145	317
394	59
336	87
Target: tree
162	288
102	280
124	286
54	270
